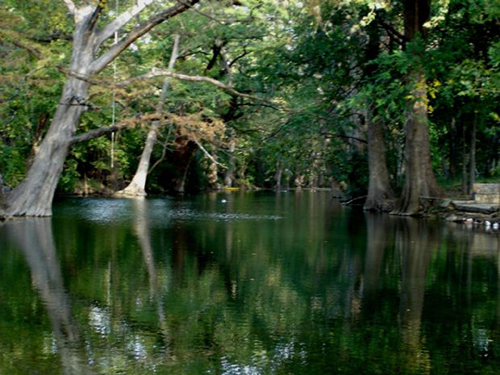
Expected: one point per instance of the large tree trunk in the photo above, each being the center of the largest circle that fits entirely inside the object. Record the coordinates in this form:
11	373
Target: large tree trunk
33	197
380	195
137	186
420	183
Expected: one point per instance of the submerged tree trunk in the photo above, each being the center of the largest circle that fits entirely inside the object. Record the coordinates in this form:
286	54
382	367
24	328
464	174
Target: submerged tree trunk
137	186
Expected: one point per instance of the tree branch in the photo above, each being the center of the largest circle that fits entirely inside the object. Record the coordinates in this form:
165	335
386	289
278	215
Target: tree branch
208	154
58	35
401	39
331	135
28	48
96	14
164	73
70	5
100	63
129	123
121	20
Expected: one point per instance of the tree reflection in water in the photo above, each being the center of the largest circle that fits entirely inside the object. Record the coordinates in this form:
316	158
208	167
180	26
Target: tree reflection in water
34	238
286	283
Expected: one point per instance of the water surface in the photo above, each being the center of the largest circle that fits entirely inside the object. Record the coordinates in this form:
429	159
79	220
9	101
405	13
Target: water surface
255	283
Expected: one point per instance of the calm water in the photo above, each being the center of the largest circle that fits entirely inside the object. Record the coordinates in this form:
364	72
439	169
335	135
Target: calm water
253	283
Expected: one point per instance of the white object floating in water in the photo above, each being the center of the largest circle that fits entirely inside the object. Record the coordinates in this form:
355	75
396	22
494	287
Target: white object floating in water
495	225
469	220
223	201
487	223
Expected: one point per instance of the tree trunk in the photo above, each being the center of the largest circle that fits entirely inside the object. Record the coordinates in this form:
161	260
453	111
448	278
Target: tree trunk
229	175
184	150
472	161
137	186
278	175
33	197
464	160
380	195
453	155
420	182
212	176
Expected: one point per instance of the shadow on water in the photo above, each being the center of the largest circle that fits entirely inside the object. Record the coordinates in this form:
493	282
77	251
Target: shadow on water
268	283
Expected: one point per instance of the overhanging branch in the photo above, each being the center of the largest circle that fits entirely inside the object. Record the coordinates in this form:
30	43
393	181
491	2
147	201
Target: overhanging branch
165	73
101	62
129	123
122	20
70	5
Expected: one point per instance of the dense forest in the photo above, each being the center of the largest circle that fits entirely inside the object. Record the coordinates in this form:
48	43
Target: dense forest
395	100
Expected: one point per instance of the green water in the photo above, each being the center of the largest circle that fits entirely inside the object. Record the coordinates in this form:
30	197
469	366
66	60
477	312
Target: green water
256	283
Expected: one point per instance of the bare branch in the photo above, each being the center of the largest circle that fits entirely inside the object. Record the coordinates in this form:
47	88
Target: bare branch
122	20
129	123
171	64
100	63
208	154
70	5
245	52
164	73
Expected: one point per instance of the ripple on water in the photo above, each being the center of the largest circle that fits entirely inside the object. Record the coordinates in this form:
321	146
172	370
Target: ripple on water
106	210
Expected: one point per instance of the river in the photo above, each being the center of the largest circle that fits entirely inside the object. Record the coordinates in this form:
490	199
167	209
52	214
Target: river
245	283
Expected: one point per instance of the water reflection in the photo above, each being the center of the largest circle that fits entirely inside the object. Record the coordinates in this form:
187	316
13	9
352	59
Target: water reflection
143	233
323	289
33	237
